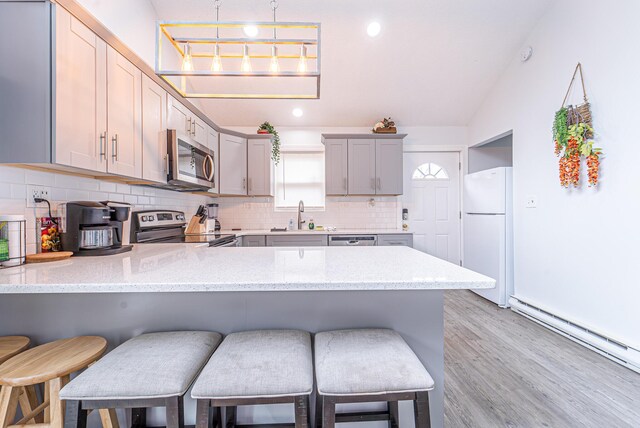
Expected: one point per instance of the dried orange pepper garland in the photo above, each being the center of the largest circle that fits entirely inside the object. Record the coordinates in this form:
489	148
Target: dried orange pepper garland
572	142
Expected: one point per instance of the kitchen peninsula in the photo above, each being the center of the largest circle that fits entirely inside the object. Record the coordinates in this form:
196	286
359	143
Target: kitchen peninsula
188	286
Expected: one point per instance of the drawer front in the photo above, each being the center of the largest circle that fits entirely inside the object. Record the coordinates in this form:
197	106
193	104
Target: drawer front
254	241
395	240
297	241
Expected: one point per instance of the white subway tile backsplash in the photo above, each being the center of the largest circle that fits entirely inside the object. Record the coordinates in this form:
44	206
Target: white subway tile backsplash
107	186
123	188
39	178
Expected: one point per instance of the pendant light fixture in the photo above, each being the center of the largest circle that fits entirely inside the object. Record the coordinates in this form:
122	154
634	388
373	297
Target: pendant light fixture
302	62
216	63
187	60
253	55
245	67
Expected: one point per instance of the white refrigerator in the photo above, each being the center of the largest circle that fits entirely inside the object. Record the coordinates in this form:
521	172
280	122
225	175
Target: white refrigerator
488	230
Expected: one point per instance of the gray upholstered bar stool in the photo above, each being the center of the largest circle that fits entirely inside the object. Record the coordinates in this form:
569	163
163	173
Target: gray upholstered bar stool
150	370
368	365
257	367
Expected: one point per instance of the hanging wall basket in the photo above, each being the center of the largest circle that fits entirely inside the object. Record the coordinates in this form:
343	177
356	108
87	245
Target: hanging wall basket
573	137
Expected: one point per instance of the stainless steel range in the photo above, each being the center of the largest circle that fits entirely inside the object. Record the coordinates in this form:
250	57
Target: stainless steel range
166	226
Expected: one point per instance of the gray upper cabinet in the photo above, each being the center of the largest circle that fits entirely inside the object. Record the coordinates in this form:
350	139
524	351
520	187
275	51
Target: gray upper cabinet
362	167
261	171
233	165
336	167
389	167
358	165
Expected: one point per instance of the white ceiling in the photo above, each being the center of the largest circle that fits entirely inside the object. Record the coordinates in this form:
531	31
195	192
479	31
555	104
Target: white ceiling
432	64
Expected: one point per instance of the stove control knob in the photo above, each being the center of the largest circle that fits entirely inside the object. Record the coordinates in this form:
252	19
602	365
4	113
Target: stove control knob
144	218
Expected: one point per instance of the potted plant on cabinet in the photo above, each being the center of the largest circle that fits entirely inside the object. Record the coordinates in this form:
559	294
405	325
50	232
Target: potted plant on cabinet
267	128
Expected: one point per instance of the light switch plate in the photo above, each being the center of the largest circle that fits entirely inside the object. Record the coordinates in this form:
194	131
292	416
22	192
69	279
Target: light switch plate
532	201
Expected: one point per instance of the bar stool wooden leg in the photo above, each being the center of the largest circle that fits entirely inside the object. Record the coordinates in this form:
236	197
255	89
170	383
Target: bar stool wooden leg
175	412
109	418
202	414
47	412
392	407
328	412
421	410
302	411
9	396
56	405
318	417
28	402
230	414
75	416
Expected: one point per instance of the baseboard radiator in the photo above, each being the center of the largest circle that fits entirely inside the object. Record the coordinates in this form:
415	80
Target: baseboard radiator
614	350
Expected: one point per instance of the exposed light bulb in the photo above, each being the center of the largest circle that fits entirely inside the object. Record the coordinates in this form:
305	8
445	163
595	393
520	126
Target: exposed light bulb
187	59
297	112
216	64
274	66
373	29
302	62
250	30
245	67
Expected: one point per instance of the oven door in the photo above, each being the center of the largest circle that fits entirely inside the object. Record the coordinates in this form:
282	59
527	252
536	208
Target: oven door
190	163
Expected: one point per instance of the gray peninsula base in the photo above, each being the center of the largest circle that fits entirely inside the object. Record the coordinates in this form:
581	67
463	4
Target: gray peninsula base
416	314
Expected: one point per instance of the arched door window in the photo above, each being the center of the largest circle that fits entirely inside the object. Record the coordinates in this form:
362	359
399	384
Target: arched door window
430	171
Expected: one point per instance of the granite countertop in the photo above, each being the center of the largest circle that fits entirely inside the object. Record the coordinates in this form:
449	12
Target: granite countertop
250	232
159	268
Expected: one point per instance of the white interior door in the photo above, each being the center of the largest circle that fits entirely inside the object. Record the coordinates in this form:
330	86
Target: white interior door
432	196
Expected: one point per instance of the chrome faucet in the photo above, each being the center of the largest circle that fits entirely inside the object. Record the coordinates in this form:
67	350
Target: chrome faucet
300	211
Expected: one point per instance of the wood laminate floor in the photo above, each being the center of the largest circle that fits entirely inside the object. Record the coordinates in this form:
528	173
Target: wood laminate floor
503	370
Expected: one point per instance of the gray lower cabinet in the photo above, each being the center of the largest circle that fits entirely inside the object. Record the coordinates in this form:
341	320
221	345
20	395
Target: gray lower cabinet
405	240
297	241
254	241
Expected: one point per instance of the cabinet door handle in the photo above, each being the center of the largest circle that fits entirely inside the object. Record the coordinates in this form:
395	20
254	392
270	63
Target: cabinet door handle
189	126
244	183
114	147
103	141
166	164
193	127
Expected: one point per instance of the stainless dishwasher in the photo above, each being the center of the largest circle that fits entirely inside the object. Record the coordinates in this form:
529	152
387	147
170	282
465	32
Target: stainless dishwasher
353	240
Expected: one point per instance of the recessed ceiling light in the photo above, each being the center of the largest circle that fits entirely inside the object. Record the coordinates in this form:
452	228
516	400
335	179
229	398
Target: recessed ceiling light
373	29
297	112
250	30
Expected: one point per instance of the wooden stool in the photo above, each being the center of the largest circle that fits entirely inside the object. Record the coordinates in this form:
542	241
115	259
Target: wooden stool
51	363
9	347
12	345
368	366
256	367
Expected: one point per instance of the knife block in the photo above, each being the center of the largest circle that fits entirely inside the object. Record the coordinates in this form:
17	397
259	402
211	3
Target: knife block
194	227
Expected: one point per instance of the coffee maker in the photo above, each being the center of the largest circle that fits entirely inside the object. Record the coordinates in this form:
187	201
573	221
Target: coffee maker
93	228
212	224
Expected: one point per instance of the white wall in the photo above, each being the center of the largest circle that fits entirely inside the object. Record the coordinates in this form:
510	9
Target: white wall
575	253
133	22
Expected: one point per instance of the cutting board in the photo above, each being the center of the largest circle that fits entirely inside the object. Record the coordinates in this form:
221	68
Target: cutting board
48	257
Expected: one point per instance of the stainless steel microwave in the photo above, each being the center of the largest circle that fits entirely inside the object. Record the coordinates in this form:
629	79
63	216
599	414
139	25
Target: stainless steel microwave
191	166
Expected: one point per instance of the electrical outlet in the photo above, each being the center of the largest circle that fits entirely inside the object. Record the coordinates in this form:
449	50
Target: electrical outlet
532	201
37	192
